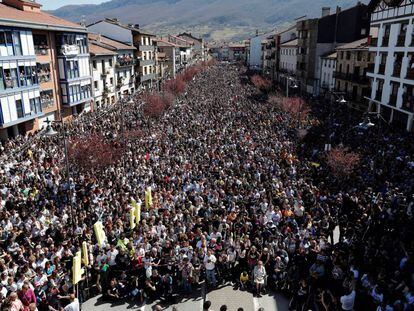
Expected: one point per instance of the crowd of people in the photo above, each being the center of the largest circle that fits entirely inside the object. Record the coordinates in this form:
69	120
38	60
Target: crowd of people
236	199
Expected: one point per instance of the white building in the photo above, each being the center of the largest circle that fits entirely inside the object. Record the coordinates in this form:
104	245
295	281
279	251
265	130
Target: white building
103	74
123	82
288	56
255	60
392	40
328	67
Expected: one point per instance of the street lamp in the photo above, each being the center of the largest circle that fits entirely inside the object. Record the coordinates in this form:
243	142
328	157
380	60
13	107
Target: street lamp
50	132
294	86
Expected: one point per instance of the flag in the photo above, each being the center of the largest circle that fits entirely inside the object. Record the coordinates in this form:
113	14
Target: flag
99	233
132	218
148	198
85	255
137	208
77	270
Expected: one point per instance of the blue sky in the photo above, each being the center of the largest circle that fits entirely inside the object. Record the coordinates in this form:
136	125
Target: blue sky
54	4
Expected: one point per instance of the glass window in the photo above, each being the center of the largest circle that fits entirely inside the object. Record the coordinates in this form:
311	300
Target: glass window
17	43
2	82
19	108
9	42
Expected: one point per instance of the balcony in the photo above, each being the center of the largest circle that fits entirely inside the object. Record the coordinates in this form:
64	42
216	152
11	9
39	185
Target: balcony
147	62
147	77
70	50
385	40
44	77
124	62
410	74
381	69
145	48
41	50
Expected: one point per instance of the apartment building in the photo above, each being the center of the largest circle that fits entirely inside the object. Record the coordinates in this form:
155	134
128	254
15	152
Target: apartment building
287	60
123	68
103	74
132	35
44	68
255	51
198	46
172	56
350	76
269	56
327	70
237	52
392	74
186	51
320	36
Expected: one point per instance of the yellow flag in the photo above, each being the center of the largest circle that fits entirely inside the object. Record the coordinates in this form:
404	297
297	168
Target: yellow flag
137	208
99	233
85	255
148	198
77	271
132	218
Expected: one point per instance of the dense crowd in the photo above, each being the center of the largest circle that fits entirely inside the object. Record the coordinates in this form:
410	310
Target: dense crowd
236	199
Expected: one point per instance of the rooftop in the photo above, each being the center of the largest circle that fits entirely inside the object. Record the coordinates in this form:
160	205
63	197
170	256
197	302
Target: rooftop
97	50
109	43
293	42
10	16
132	27
361	44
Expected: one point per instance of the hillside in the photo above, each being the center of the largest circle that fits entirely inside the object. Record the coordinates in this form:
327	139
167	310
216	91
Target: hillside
212	19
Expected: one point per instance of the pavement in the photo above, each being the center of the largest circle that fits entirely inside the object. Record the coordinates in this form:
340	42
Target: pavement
234	299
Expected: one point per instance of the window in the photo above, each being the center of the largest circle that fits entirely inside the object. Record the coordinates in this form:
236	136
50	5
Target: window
94	64
19	108
11	78
46	98
110	63
40	44
95	84
2	82
35	105
103	66
72	70
111	81
17	43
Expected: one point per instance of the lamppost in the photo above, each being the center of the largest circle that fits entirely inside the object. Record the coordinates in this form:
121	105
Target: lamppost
50	132
339	99
294	86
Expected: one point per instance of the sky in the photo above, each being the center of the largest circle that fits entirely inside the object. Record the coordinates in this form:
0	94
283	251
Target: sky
54	4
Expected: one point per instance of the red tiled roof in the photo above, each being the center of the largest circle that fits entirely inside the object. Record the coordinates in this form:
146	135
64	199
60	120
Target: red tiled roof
109	43
95	49
12	15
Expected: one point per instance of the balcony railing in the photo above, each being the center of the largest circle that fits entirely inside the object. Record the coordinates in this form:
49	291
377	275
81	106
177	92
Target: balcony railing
124	62
356	78
44	77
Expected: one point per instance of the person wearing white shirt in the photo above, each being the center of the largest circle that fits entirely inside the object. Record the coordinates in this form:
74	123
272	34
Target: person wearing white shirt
210	265
74	304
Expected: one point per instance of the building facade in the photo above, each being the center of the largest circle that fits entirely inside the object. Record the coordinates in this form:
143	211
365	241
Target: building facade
103	74
132	35
320	36
44	68
172	57
350	75
198	45
392	74
327	70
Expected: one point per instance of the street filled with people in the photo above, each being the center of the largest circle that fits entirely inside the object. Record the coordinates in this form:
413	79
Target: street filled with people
237	197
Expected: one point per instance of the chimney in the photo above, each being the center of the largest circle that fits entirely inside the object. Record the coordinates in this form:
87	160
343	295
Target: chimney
23	5
326	11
